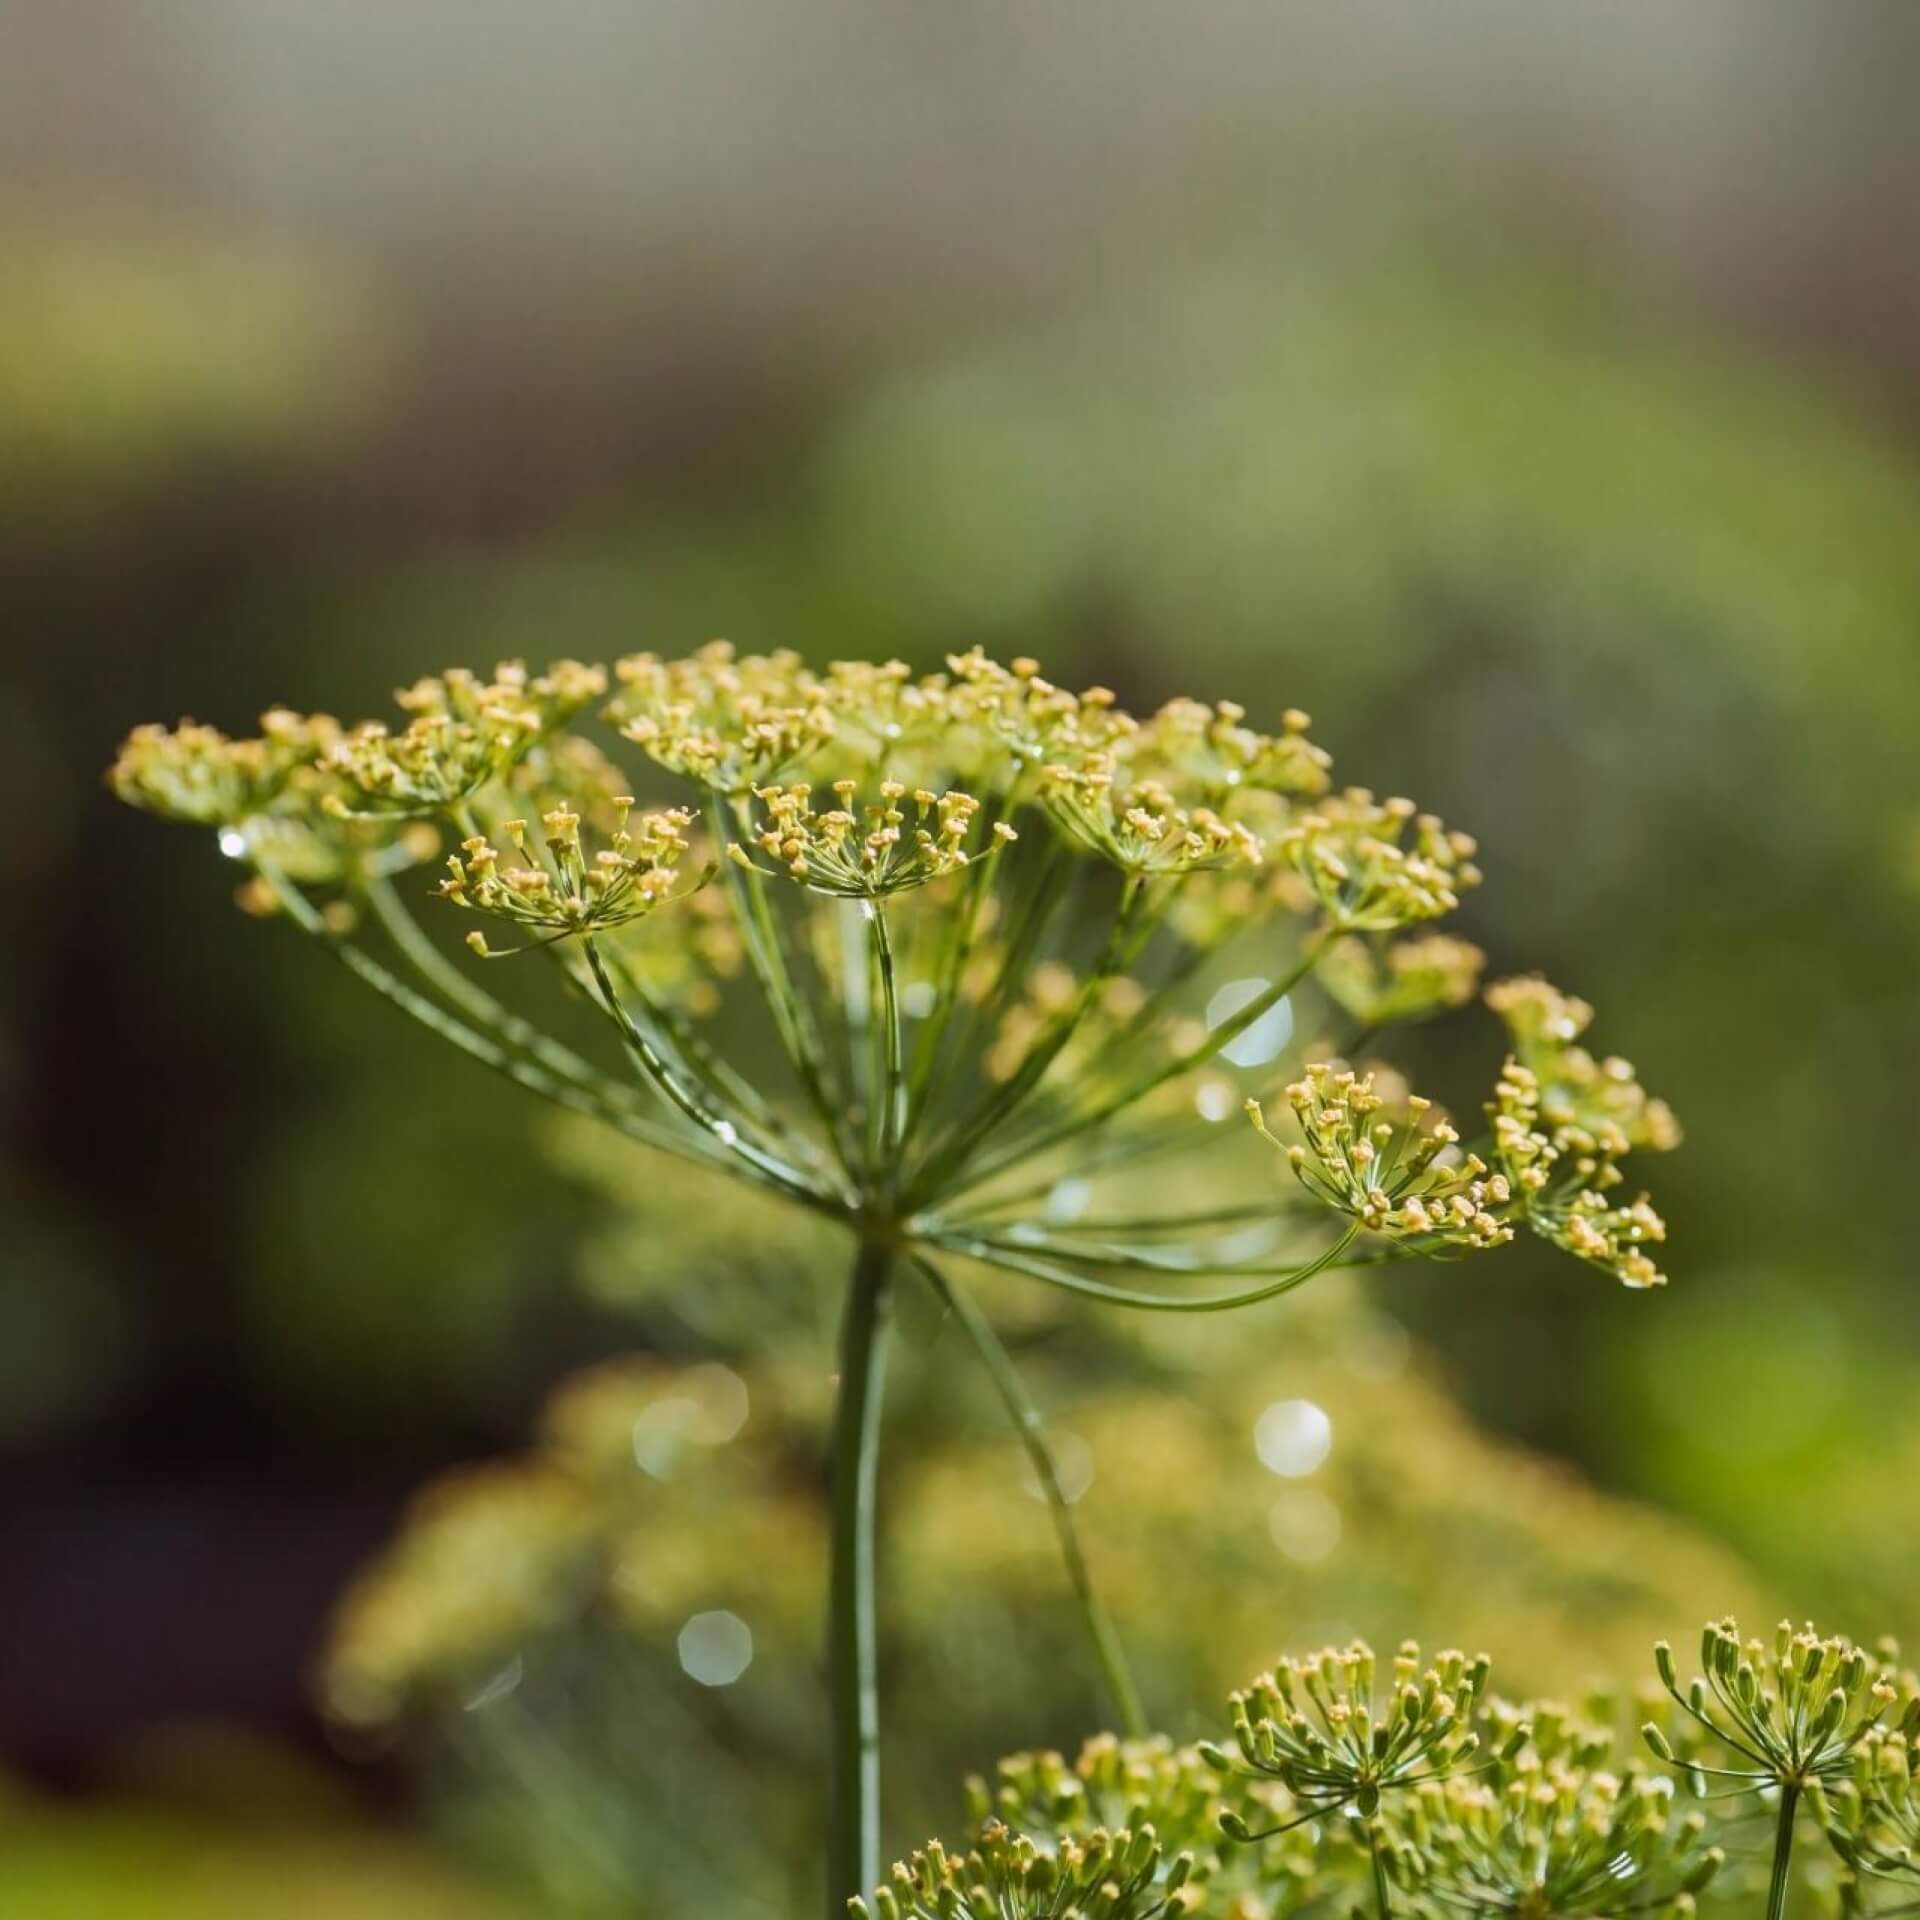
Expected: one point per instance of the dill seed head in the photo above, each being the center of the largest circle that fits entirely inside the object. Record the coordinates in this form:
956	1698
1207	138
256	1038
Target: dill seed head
1321	1725
1123	1875
1791	1711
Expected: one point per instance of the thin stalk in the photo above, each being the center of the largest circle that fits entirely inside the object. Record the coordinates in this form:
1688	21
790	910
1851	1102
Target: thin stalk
1131	926
767	958
890	1091
431	1015
960	929
963	1031
1382	1895
1070	1282
691	1055
1031	1428
1782	1850
1221	1036
853	1832
655	1070
479	1006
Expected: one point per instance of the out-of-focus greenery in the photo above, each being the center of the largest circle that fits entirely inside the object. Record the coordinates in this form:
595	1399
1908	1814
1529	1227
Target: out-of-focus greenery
176	1856
130	350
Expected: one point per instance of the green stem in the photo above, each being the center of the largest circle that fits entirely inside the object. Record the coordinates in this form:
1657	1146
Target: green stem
853	1835
727	1129
1131	925
1382	1895
766	956
1221	1036
475	1002
477	1046
1069	1281
1782	1851
1031	1428
891	1079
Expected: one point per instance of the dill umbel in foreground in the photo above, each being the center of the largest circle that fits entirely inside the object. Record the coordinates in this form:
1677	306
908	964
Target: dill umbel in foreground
962	960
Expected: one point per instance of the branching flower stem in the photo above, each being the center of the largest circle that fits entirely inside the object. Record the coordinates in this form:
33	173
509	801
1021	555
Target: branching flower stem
765	949
724	1128
1031	1429
889	1092
1104	1110
1130	929
477	1046
1070	1282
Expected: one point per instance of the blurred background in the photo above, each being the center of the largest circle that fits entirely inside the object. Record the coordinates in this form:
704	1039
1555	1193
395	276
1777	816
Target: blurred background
1532	394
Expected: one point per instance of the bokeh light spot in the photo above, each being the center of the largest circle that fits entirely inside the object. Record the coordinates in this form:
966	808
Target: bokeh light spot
715	1648
1293	1437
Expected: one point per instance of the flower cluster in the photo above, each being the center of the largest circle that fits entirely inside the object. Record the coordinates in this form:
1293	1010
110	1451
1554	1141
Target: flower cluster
558	891
1559	1124
1441	1799
1399	1178
1315	1725
196	775
465	734
1356	857
1579	1095
904	1078
724	722
1794	1709
1005	1876
1872	1817
864	852
1551	1837
1405	980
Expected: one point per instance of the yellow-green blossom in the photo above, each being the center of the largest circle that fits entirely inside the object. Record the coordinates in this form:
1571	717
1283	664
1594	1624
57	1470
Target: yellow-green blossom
559	891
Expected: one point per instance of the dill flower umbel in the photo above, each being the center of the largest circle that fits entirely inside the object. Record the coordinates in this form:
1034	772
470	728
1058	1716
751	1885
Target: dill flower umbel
1552	1838
1872	1816
1316	1724
1559	1124
1790	1715
1106	1876
949	959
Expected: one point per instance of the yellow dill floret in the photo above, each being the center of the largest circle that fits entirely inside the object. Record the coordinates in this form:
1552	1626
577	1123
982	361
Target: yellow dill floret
465	732
197	775
1377	865
1406	980
1602	1097
1211	749
1123	1875
1140	826
1564	1174
865	849
559	891
721	719
1026	713
1401	1178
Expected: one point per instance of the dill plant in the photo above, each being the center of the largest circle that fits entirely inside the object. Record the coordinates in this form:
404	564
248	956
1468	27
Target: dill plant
924	955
